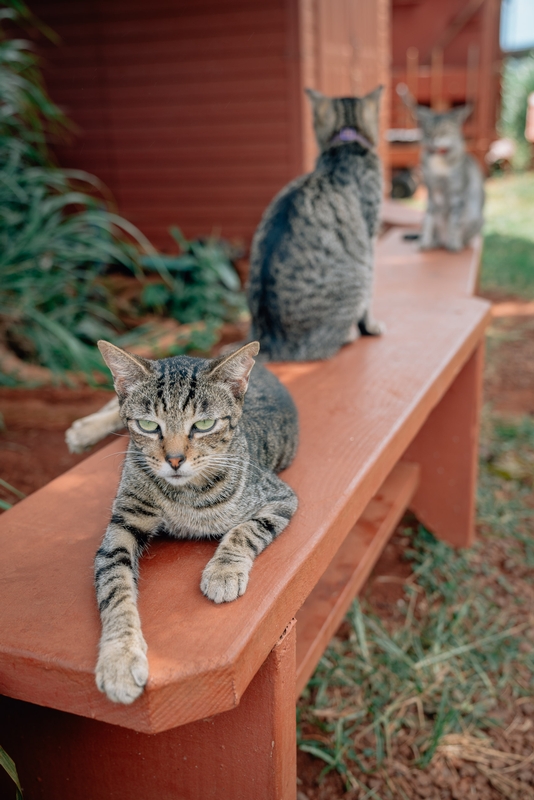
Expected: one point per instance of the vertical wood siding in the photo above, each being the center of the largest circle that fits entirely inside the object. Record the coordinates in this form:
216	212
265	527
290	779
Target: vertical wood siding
192	111
346	51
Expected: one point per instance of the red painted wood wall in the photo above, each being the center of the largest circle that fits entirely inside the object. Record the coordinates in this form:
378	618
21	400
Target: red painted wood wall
193	111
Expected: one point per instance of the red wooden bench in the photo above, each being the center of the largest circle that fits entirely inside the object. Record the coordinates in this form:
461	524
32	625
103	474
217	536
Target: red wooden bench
389	423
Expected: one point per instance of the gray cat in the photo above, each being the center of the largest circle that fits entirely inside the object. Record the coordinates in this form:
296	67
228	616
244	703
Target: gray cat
311	267
201	463
453	178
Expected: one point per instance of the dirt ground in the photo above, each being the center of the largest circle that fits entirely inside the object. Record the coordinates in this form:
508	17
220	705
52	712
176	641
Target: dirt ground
461	769
32	440
33	452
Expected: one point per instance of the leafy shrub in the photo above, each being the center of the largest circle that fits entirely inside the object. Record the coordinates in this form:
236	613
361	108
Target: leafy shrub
517	84
59	239
205	285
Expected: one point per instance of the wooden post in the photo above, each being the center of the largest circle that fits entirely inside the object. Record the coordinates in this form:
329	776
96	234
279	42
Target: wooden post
412	82
244	754
446	448
436	80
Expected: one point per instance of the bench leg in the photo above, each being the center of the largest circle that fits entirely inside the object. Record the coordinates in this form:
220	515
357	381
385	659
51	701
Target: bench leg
446	448
248	753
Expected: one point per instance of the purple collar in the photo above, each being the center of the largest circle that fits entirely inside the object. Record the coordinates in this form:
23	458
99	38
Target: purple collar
350	135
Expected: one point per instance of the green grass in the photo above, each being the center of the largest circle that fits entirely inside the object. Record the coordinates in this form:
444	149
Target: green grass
462	642
7	763
508	256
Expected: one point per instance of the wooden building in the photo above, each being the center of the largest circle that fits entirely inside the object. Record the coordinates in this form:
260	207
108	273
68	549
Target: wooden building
448	54
193	111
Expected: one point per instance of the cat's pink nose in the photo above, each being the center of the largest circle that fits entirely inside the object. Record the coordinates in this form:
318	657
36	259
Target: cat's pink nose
175	460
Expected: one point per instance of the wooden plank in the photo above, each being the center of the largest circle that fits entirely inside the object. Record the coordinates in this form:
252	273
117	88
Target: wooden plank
395	213
446	447
400	259
324	609
248	753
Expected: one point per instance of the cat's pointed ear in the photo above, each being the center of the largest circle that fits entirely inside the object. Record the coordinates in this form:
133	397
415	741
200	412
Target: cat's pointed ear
460	113
234	369
424	116
324	116
370	123
406	97
317	99
127	370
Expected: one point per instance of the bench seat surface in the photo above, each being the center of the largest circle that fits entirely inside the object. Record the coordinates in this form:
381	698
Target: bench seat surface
358	414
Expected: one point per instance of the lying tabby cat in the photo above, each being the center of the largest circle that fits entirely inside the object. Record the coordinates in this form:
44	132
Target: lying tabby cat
201	462
312	256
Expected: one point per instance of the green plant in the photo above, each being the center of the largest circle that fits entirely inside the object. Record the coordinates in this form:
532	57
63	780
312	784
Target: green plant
517	84
462	639
55	244
205	284
59	239
508	255
7	763
55	240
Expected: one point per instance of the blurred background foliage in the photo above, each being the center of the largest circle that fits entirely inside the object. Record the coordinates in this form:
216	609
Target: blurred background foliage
66	256
517	84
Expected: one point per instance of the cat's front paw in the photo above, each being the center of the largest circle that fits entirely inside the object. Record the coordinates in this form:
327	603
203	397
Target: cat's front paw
122	670
223	582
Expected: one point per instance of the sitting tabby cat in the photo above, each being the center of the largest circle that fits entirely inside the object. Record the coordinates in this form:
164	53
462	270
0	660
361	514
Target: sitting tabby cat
201	462
453	178
311	266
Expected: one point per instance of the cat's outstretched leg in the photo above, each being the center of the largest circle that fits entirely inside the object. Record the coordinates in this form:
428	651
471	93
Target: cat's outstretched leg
369	326
454	229
427	240
87	431
226	575
122	666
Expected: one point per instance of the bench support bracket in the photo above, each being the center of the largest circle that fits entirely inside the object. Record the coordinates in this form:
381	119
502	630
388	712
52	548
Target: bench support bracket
249	752
446	448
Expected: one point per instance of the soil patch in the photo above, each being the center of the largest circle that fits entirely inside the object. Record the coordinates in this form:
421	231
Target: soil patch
32	440
509	374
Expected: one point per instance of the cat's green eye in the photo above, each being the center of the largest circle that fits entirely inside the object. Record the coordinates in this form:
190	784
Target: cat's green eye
204	424
147	425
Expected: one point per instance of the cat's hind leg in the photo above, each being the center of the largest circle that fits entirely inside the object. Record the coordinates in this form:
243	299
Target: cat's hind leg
87	431
428	237
353	334
226	575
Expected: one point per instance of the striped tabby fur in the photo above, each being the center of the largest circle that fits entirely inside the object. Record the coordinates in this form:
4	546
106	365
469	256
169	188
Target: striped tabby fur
311	268
187	482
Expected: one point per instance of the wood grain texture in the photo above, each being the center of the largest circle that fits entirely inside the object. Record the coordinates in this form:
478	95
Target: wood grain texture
324	609
446	448
395	213
359	412
248	753
439	274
